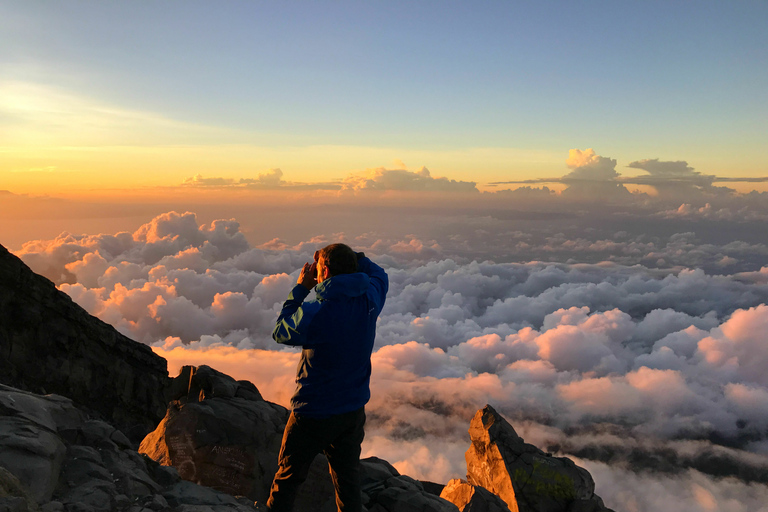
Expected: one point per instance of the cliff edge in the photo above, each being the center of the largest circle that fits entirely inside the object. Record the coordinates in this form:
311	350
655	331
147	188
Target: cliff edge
49	344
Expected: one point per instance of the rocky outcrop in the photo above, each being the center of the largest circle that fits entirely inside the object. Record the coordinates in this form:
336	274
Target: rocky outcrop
49	344
220	434
386	490
526	478
53	458
472	498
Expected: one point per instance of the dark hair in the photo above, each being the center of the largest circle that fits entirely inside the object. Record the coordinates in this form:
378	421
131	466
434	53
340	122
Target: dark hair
339	258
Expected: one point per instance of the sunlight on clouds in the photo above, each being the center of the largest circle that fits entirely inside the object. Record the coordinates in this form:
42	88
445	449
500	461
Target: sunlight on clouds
600	360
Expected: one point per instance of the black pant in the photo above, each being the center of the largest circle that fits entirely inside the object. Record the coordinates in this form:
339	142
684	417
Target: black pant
339	437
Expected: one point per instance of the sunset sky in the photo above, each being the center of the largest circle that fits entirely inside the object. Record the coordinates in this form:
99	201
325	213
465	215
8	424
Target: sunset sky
570	199
96	96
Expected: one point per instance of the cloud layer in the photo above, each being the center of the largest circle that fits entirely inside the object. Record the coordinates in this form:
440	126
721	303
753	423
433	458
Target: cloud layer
586	359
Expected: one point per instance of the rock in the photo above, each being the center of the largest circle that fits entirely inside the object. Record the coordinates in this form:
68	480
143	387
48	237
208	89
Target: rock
317	493
472	498
385	490
526	478
432	487
187	493
229	444
13	494
29	446
196	383
85	471
47	342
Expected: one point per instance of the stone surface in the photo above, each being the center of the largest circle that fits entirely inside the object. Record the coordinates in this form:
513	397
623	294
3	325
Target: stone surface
472	498
226	442
317	493
55	459
385	490
30	448
14	496
49	344
526	478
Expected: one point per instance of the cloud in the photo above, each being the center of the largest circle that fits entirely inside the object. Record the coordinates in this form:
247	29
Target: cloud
381	179
269	180
656	168
605	352
587	165
594	178
377	180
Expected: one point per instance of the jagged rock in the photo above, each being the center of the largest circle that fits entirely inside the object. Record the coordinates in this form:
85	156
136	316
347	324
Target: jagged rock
526	478
49	344
197	383
386	490
29	446
230	444
52	455
472	498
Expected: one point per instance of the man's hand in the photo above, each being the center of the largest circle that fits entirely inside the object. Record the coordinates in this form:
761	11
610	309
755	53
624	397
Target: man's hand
308	276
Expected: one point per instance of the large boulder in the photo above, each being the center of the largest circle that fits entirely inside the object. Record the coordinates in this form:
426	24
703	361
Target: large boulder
220	434
49	344
54	458
30	447
526	478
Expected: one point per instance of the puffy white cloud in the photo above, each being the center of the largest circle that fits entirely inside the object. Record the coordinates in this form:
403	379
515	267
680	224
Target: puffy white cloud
588	165
738	346
629	351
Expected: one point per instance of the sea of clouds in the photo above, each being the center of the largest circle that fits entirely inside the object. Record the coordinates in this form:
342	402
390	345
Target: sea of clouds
642	355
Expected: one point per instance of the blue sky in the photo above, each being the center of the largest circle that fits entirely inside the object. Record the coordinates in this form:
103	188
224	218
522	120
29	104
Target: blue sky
670	80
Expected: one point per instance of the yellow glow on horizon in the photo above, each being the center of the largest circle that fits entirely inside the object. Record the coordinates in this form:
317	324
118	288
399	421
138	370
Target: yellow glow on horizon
52	169
58	143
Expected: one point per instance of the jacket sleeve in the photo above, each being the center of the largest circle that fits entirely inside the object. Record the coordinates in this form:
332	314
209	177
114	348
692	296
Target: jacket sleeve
379	280
293	322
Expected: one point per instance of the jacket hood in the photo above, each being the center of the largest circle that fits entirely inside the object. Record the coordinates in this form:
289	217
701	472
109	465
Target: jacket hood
344	285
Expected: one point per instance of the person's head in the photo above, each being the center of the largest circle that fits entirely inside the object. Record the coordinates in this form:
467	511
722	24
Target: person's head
334	260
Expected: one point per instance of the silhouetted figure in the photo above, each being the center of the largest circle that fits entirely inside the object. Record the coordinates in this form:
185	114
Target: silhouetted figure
336	333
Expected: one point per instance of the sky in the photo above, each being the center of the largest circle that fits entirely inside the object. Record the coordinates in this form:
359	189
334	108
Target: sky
97	96
570	200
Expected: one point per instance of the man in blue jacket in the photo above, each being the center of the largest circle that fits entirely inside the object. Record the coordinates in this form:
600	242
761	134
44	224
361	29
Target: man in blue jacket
336	332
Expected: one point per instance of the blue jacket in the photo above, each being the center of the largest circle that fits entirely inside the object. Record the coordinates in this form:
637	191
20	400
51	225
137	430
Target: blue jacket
336	332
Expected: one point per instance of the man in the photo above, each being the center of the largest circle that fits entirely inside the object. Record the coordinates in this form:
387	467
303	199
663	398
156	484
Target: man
336	333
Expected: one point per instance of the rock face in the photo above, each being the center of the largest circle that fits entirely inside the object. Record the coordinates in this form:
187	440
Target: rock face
49	344
527	479
52	457
222	434
386	490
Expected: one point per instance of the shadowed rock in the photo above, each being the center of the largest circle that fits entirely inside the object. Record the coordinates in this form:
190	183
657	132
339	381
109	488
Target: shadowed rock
386	490
52	455
49	344
221	434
